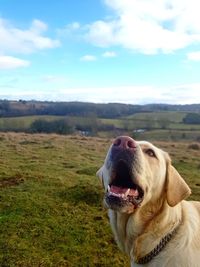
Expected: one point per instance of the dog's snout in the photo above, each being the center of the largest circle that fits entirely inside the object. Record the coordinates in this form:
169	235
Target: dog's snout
124	142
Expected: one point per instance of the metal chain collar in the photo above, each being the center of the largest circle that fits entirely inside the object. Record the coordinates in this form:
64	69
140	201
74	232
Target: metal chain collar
163	242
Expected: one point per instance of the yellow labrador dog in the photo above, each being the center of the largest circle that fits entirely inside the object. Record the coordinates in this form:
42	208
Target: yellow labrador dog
149	218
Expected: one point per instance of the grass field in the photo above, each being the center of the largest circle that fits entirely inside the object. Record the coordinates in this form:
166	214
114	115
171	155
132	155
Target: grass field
51	210
166	125
24	122
173	116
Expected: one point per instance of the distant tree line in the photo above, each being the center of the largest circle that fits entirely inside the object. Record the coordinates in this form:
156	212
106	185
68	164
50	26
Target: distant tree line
4	108
86	126
57	126
83	109
23	108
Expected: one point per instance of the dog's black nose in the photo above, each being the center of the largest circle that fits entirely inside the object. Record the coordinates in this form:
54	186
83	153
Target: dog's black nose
124	142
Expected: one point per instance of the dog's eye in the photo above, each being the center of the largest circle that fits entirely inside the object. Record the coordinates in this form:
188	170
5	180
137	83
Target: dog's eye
150	152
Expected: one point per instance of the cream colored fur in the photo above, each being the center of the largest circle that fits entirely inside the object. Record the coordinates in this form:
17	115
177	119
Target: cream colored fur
162	209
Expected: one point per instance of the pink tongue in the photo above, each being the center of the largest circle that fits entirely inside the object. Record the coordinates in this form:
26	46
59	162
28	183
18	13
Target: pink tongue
121	190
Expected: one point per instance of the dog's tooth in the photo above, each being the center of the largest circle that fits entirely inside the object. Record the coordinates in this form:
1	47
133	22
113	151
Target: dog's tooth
108	188
127	192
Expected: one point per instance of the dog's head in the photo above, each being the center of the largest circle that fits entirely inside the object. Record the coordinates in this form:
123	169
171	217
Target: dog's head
136	172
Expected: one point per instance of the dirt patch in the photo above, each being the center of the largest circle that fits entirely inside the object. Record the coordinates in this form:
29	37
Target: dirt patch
10	181
194	146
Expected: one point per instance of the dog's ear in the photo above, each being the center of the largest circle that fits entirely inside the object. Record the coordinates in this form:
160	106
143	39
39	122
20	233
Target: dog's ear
177	189
100	175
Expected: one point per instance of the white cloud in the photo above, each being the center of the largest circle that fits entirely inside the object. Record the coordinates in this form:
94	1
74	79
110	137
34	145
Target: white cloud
38	26
54	78
109	54
74	26
7	62
102	33
16	40
180	94
195	56
148	26
69	29
88	58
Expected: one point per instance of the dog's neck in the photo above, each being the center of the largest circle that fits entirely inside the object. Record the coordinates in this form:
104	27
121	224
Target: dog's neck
143	229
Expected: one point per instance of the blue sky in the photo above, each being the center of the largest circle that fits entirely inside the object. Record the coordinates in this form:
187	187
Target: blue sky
129	51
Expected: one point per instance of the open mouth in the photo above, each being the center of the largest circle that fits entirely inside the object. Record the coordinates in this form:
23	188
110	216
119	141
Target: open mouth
123	191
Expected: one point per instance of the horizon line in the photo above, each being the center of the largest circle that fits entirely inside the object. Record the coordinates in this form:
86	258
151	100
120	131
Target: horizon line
97	103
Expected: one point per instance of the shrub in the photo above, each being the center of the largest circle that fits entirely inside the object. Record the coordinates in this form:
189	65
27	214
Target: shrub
192	118
57	126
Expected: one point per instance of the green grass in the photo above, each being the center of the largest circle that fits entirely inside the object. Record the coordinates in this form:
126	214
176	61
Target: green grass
168	135
172	116
53	215
153	120
23	122
161	125
51	210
